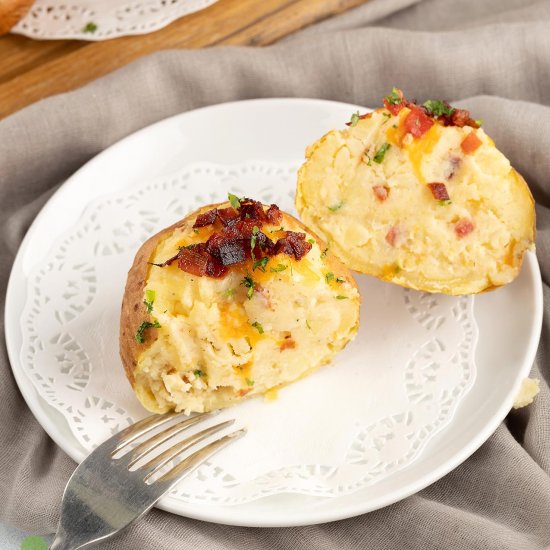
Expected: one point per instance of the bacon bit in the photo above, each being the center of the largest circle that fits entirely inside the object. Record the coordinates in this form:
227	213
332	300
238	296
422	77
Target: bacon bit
228	216
463	227
287	343
233	244
454	163
274	215
208	218
470	143
381	192
418	122
391	235
439	191
397	103
461	118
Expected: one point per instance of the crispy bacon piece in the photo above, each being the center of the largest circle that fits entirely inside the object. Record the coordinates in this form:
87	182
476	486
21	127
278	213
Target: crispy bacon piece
461	118
381	192
463	227
208	218
228	216
274	215
470	143
439	191
240	239
294	244
287	343
417	122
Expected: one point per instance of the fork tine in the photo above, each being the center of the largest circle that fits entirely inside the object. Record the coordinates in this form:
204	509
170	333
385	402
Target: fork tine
198	457
152	443
158	462
133	432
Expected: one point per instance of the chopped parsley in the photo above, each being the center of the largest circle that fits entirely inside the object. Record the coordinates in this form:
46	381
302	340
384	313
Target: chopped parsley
260	264
196	230
149	300
369	160
387	115
379	155
340	297
394	98
234	200
258	327
436	107
142	328
445	202
329	276
255	231
308	325
340	280
249	283
90	27
335	207
311	241
277	230
249	382
230	292
478	121
278	268
355	117
198	373
324	253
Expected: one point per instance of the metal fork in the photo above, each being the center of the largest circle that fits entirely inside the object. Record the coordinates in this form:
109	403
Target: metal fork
104	494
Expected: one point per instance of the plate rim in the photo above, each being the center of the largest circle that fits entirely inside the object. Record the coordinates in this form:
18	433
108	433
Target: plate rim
224	515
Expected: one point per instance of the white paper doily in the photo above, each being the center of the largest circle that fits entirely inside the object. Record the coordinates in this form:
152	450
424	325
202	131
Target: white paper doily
343	428
102	19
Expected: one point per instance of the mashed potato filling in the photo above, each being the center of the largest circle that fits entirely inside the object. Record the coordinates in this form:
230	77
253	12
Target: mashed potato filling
217	345
382	218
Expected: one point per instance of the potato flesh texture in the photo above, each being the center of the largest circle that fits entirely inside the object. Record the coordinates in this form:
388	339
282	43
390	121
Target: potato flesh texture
204	329
429	255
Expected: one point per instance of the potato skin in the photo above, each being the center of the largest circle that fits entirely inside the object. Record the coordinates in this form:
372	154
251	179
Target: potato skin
134	310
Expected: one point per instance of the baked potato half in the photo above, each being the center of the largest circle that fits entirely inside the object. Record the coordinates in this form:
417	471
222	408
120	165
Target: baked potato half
231	302
418	196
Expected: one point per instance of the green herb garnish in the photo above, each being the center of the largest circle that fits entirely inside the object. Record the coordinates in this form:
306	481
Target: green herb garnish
355	117
149	300
324	253
445	202
198	373
278	268
478	121
196	230
311	241
258	327
379	155
234	200
436	107
249	382
329	276
230	292
260	264
249	283
394	98
308	325
340	280
142	328
335	207
277	230
340	297
255	231
90	27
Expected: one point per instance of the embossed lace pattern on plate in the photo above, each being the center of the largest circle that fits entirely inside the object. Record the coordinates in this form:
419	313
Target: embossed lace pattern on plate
340	430
102	19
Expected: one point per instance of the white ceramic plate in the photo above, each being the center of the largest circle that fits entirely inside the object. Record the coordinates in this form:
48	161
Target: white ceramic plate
227	141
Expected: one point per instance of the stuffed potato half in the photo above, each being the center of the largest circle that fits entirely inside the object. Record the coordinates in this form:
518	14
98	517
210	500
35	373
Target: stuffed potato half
190	341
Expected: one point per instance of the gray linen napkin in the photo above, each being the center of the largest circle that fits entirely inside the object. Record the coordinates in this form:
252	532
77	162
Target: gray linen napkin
492	57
